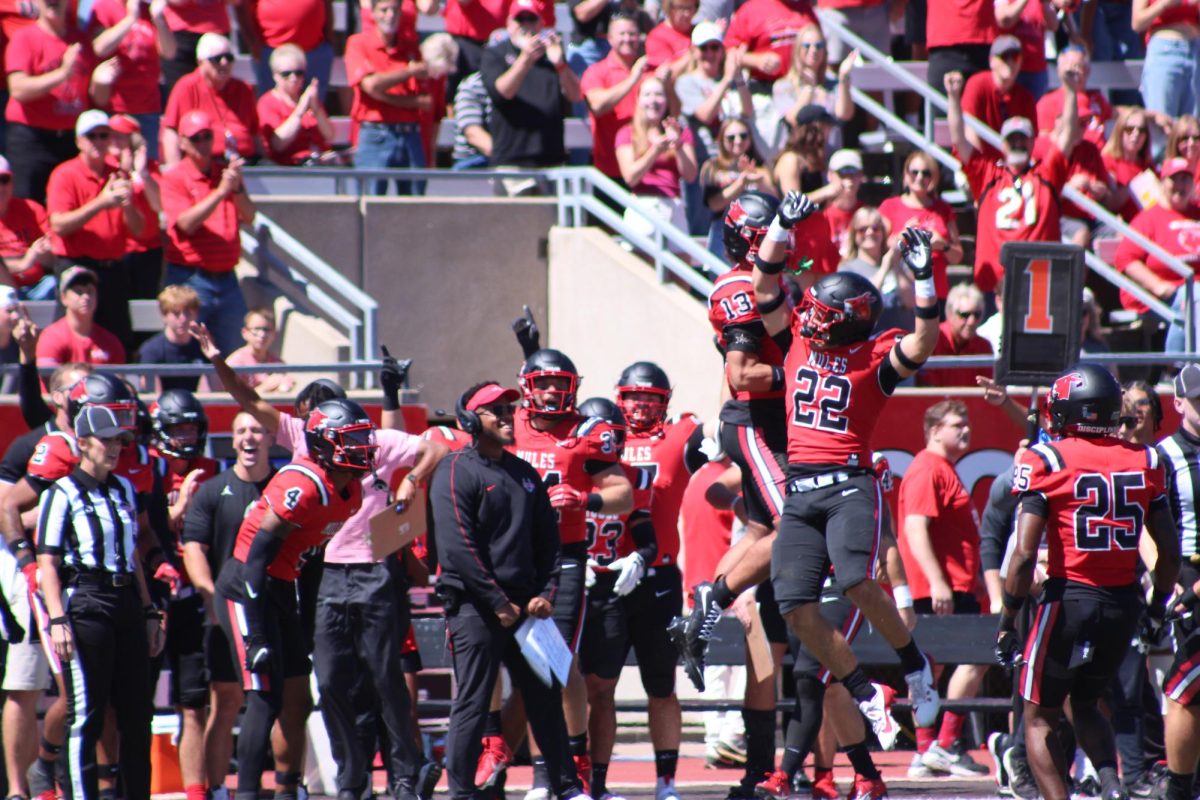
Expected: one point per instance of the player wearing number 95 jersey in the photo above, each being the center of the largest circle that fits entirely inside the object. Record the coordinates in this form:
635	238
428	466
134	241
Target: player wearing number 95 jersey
1089	494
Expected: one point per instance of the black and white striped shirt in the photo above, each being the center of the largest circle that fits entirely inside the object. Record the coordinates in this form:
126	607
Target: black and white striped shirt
1181	452
91	525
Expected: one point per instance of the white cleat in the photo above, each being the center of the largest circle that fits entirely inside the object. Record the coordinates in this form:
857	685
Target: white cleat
922	694
878	711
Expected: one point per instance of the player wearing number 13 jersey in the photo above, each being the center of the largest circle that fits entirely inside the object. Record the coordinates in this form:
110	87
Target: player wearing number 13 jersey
1088	494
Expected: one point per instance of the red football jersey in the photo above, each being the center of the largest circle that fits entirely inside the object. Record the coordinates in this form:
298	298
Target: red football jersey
560	455
302	494
175	470
661	453
1099	493
136	466
54	456
834	398
731	305
444	434
606	533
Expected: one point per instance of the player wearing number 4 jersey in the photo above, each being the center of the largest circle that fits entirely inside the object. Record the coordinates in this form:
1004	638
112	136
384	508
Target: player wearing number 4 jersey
1088	494
838	377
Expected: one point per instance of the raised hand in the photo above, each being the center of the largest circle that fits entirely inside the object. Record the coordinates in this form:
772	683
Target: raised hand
795	207
208	347
528	335
917	251
953	83
847	65
394	373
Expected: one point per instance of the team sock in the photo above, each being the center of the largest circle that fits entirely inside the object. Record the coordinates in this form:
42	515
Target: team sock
911	658
860	759
578	744
665	762
858	685
721	594
599	780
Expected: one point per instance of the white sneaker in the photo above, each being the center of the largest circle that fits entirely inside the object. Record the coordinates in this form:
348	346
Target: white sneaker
540	793
958	764
917	768
664	789
611	796
922	693
220	793
878	712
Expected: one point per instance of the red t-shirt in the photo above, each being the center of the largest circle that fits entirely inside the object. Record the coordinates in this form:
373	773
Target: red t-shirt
1031	30
706	530
35	51
408	19
1186	13
231	109
665	43
1122	172
198	16
1178	234
848	3
273	109
1012	209
606	533
604	74
151	237
931	488
22	224
136	90
72	185
947	346
475	19
215	245
1085	160
59	345
983	100
661	454
366	54
731	308
764	25
813	239
302	494
299	22
953	22
1094	112
839	225
935	218
1099	492
662	179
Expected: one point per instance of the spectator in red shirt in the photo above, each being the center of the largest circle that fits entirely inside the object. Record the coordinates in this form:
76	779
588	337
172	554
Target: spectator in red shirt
49	67
995	96
768	28
589	29
1075	68
957	35
25	242
1087	173
307	24
211	88
145	250
93	215
139	36
189	20
939	544
920	206
1127	155
203	245
1175	226
957	337
76	336
294	123
608	87
670	42
1029	21
385	69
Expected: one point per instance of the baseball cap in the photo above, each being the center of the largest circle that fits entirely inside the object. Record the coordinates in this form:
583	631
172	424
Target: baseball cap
1173	166
1005	44
100	422
5	167
1016	125
491	393
8	297
212	44
525	7
123	123
90	120
705	32
846	159
194	122
74	275
813	113
1187	382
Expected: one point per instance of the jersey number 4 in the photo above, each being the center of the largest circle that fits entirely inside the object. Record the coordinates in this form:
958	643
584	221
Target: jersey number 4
820	401
291	498
1108	517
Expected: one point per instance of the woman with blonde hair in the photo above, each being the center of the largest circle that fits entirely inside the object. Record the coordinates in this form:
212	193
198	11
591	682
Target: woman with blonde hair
1184	142
736	168
920	205
868	254
1126	155
807	82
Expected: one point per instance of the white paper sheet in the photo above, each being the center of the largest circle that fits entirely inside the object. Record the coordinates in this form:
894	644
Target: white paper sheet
544	649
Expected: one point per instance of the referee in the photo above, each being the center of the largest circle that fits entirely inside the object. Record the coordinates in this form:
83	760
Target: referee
102	624
498	548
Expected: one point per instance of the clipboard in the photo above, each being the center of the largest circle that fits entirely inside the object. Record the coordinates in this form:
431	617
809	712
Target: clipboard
390	531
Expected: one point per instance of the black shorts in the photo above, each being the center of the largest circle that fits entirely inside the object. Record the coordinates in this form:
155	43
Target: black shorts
285	632
838	526
185	652
1080	635
774	628
219	660
760	451
649	609
841	614
571	598
605	638
964	603
1182	683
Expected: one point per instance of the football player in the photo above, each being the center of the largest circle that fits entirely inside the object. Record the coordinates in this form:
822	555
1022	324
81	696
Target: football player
1088	493
838	375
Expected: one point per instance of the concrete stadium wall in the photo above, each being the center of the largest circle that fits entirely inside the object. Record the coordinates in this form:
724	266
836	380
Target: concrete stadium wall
607	310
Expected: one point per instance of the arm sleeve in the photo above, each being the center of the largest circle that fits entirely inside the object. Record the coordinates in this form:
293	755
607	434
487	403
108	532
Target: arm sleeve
53	513
641	530
546	543
693	457
263	549
34	410
455	525
997	524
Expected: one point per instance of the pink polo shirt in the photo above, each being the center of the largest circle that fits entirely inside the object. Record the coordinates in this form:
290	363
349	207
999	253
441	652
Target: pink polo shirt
397	450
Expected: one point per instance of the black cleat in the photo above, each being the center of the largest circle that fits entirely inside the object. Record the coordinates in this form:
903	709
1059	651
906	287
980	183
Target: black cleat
690	634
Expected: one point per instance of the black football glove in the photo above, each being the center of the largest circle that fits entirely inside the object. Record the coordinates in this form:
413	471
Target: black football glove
258	654
917	252
1008	647
1150	626
1188	601
795	207
528	335
394	374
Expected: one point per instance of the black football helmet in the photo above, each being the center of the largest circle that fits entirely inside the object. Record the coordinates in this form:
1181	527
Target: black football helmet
648	378
176	407
610	412
746	223
105	390
1084	401
542	399
840	309
315	393
340	435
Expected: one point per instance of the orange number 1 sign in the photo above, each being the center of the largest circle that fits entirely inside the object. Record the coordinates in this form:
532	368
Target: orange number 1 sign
1038	318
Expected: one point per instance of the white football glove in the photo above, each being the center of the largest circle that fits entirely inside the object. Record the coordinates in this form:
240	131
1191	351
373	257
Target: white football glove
631	568
589	575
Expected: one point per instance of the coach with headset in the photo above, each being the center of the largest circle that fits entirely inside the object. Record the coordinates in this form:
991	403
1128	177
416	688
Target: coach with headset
498	547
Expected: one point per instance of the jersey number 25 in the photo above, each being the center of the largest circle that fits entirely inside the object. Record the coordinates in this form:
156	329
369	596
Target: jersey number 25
1107	516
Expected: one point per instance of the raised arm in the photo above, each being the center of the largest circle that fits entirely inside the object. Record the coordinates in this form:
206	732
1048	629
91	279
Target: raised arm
954	83
242	393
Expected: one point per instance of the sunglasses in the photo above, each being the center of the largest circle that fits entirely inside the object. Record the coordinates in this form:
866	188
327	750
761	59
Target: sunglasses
1190	137
526	19
1128	422
98	136
812	45
868	229
223	58
920	173
736	137
1013	55
711	47
5	180
203	136
969	314
1141	402
1136	129
291	73
499	410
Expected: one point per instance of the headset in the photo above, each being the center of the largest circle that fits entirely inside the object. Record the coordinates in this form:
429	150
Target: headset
468	421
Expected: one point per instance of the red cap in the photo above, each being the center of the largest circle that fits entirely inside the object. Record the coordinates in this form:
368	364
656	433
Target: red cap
194	122
525	7
492	393
123	123
1174	166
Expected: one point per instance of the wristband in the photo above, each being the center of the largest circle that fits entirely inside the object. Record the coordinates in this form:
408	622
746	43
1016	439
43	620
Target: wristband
926	312
412	478
776	379
1011	601
771	305
769	267
391	400
58	621
903	597
153	613
17	545
925	288
595	502
778	233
